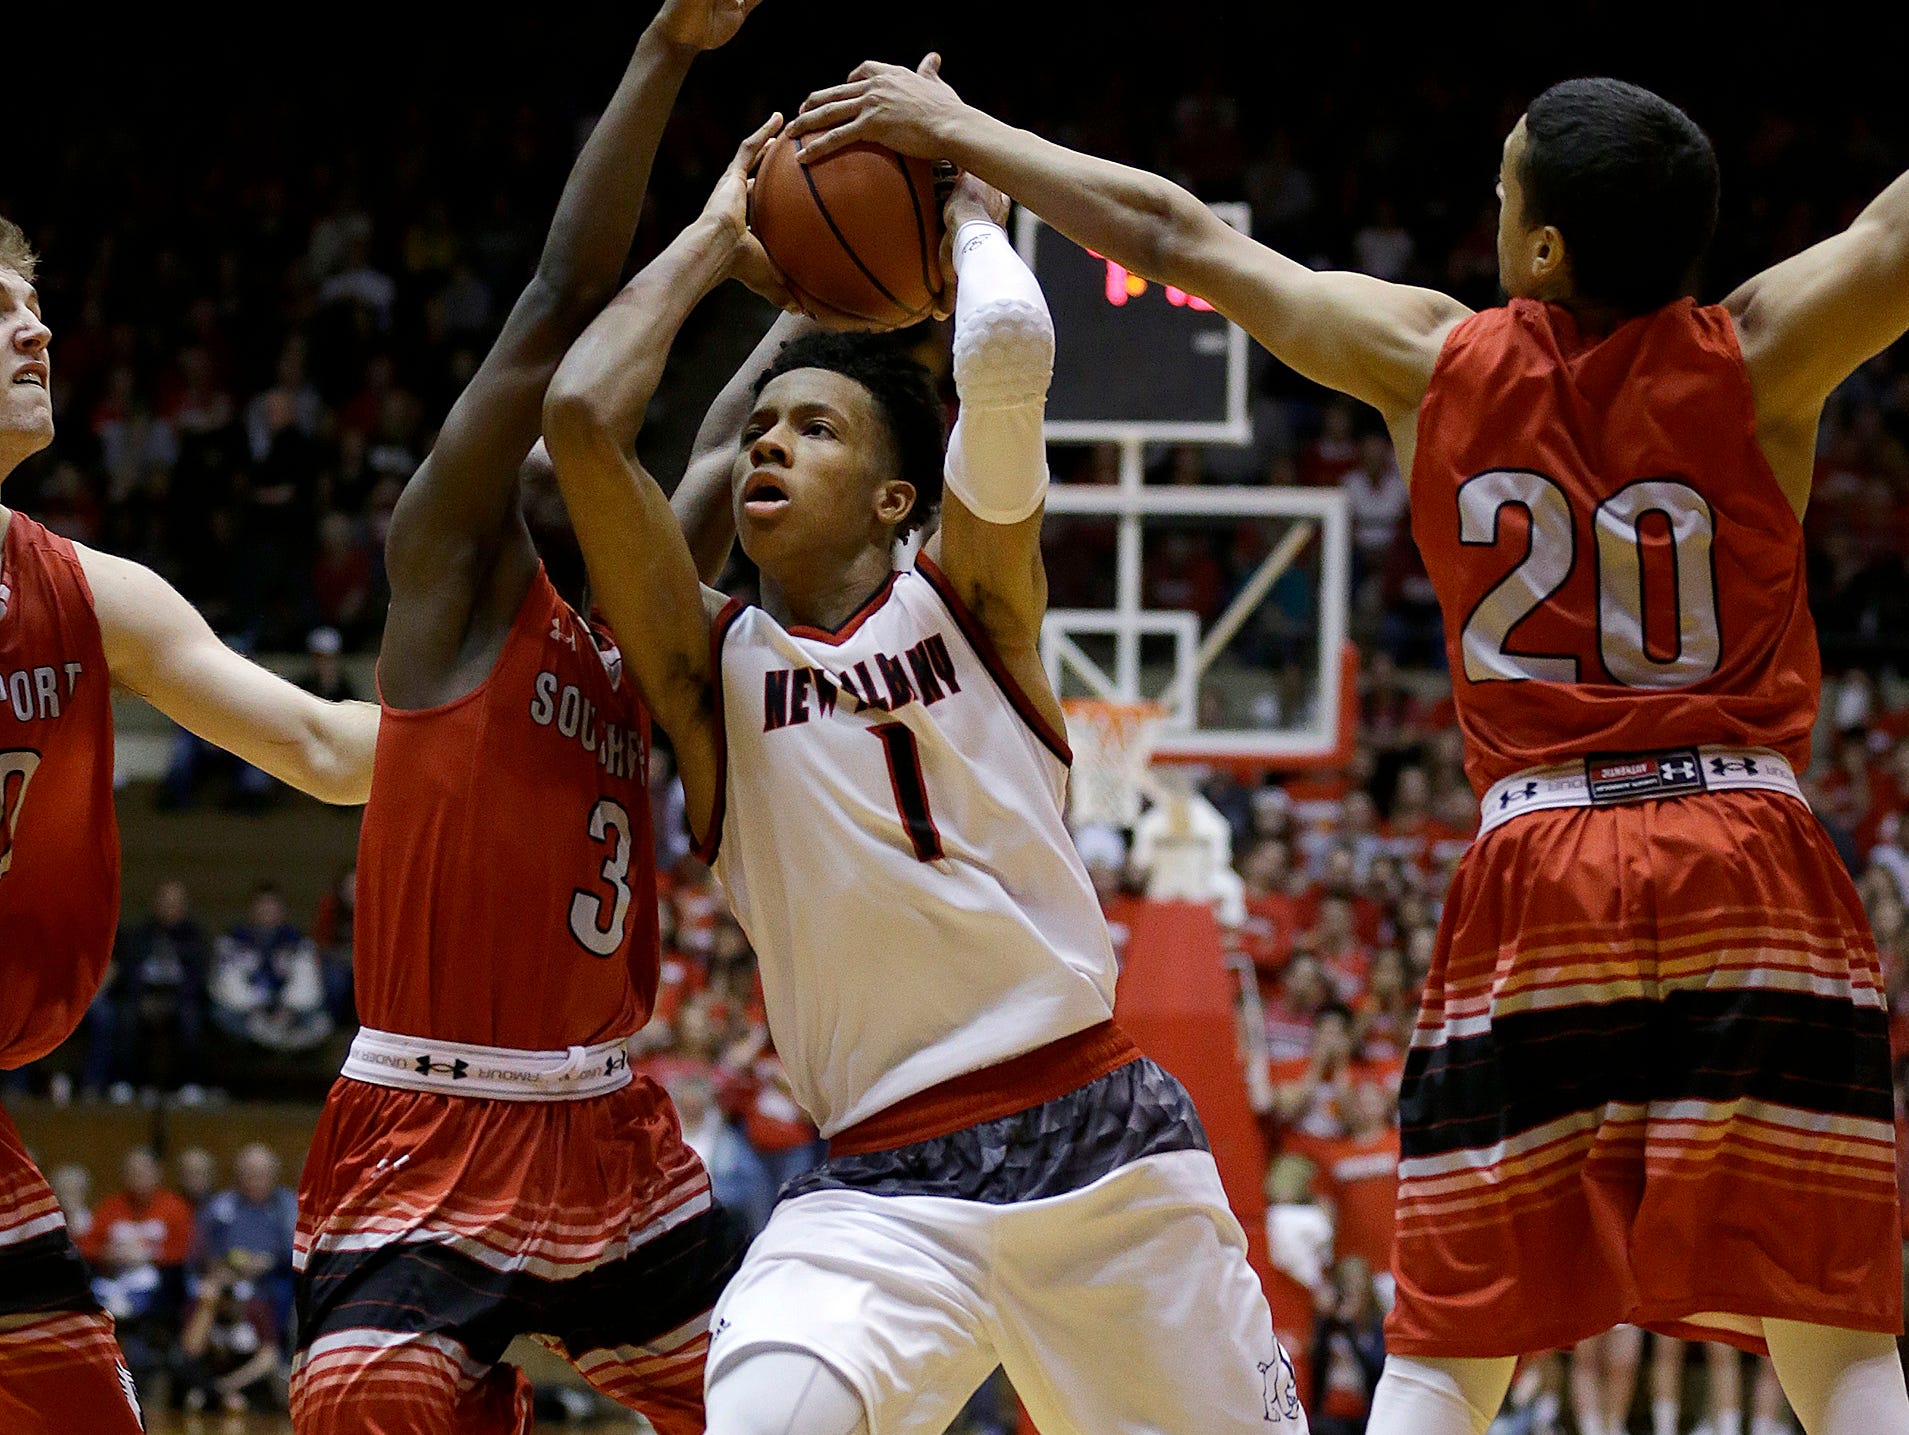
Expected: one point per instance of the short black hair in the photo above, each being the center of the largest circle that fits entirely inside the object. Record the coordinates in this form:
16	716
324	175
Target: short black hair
1631	183
902	390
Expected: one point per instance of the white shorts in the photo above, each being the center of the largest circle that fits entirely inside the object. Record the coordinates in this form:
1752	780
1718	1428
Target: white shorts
1123	1307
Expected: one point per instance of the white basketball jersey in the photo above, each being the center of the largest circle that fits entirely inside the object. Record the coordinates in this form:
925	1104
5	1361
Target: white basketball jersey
891	838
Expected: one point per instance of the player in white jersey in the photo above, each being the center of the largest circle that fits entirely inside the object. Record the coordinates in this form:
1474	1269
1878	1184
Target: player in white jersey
876	765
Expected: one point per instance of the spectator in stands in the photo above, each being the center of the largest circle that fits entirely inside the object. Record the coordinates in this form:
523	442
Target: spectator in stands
135	1292
343	574
326	676
332	935
1360	1174
1376	494
779	1131
1333	941
1308	1096
267	987
1293	1006
1387	1011
250	1229
1348	1350
198	1172
230	1357
162	966
157	1221
736	1173
73	1189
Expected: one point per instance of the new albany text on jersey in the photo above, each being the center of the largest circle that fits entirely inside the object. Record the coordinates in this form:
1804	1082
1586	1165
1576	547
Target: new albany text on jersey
924	673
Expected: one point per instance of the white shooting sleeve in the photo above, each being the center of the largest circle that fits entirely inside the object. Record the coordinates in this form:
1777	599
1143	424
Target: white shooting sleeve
1003	362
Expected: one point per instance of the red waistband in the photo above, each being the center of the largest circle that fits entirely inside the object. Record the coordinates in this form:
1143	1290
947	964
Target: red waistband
1017	1084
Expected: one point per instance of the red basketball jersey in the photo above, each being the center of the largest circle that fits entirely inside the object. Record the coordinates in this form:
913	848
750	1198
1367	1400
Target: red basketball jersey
506	891
1617	566
59	837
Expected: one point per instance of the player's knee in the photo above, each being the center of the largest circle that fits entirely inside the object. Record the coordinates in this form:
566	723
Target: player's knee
783	1392
1437	1394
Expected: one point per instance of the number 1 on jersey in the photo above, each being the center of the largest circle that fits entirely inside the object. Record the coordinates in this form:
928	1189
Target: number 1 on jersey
911	788
16	771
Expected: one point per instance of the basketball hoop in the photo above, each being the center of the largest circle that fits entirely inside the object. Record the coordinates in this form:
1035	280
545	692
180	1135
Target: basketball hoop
1113	746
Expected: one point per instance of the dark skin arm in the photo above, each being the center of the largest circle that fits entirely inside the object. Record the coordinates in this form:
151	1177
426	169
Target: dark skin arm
702	501
459	554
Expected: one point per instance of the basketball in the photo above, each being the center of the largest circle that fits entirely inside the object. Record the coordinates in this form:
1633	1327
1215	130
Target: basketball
858	232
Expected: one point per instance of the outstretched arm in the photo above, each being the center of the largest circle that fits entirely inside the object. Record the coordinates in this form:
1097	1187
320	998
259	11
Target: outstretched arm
641	568
458	546
1808	323
1373	340
159	647
989	541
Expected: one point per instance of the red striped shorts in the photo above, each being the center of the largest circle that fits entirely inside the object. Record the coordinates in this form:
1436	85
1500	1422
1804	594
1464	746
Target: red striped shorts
60	1368
1650	1081
433	1229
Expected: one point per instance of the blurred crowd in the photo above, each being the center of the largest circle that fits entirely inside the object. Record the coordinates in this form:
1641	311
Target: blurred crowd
196	1275
251	356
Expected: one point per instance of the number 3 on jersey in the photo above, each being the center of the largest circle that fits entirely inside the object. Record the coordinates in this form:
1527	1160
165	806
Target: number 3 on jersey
609	822
16	771
1621	549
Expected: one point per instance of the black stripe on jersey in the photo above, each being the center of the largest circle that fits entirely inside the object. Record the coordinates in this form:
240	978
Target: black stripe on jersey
1820	1054
424	1288
1134	1111
706	846
983	645
45	1273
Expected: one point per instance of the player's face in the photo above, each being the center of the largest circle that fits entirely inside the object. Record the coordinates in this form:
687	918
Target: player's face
813	479
26	409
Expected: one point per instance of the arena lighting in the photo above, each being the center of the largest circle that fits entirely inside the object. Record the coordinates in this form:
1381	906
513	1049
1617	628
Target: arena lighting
1123	284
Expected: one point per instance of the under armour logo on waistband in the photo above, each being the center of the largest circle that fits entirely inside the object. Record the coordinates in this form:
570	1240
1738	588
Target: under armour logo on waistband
1680	769
456	1070
1746	765
1513	794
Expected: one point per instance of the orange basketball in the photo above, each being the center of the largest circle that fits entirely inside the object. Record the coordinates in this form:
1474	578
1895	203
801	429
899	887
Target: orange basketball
858	232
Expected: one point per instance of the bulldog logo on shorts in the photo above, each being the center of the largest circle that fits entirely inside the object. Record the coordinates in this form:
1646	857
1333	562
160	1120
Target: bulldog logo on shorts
1280	1390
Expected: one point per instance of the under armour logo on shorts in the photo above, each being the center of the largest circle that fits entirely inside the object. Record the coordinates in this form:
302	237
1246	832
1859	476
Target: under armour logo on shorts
1513	794
1745	765
1280	1390
1679	769
456	1070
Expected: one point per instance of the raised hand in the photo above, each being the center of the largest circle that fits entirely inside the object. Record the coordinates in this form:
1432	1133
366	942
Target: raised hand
885	104
969	198
728	203
702	24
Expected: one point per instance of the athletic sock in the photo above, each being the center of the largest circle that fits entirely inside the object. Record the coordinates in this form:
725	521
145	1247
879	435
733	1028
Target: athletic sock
1729	1422
1663	1417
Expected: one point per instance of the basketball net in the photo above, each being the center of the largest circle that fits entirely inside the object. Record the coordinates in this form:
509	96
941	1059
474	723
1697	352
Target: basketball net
1113	746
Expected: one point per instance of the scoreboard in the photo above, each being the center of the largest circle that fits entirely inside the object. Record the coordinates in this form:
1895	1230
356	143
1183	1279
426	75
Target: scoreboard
1135	359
